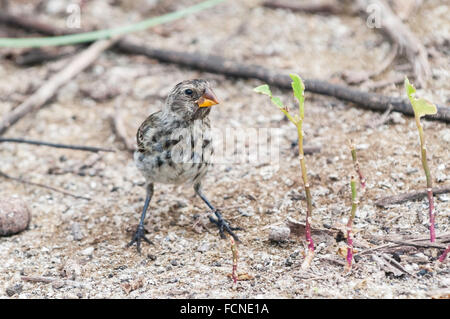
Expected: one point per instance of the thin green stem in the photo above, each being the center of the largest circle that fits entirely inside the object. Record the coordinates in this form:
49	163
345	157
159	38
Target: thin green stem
309	239
107	33
423	152
362	179
350	223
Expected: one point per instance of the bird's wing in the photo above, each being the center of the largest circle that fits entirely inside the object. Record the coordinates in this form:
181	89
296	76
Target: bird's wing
144	133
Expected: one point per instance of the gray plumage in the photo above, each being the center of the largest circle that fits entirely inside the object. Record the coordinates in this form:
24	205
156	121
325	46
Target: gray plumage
175	147
174	144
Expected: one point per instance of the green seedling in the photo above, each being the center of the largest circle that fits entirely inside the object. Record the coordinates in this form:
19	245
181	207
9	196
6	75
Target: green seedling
421	108
298	88
362	179
350	224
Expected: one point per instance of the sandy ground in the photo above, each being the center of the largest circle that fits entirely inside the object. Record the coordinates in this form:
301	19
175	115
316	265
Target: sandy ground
87	239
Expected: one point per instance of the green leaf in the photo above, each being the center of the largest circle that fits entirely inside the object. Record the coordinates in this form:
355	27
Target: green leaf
277	101
410	90
264	89
423	107
298	87
420	106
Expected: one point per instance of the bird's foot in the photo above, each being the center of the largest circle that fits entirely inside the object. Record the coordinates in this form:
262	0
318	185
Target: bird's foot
224	226
137	238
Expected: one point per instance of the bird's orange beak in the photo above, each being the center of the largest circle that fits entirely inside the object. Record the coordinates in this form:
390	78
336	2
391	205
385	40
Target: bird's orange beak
207	99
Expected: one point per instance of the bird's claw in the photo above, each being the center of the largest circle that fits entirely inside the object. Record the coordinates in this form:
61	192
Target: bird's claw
137	238
224	226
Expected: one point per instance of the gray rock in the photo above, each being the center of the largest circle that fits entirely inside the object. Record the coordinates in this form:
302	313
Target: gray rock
14	216
88	251
16	289
76	231
279	233
246	212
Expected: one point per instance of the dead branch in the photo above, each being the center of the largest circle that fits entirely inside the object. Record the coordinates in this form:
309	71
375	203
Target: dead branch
66	146
398	199
386	266
38	56
220	65
80	62
58	190
417	244
57	283
313	8
396	264
445	237
38	279
392	26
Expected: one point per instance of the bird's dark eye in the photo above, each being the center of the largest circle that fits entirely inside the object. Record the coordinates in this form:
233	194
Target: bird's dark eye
188	91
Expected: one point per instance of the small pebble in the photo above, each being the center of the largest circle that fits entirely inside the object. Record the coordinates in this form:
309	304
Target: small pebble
288	262
362	147
88	251
245	212
14	216
412	171
76	231
16	289
279	233
57	284
333	177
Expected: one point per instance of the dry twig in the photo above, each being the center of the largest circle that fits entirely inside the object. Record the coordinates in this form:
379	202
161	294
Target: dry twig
58	190
314	8
220	65
80	62
418	195
66	146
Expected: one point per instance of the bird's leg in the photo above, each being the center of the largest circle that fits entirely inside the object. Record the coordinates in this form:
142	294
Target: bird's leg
140	231
221	223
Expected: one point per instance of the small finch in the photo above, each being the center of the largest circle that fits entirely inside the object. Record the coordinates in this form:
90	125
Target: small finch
175	147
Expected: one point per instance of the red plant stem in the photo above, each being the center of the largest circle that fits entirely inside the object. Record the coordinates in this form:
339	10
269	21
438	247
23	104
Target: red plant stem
362	179
349	245
431	212
444	254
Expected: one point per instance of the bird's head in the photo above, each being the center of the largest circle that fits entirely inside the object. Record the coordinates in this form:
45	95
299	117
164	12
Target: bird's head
191	99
